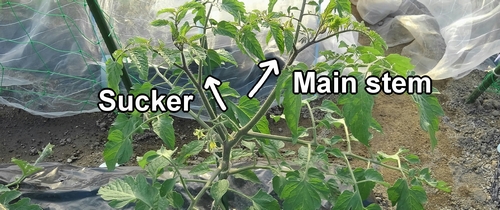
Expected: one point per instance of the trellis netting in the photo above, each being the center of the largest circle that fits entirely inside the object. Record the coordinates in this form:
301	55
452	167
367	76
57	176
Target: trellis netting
52	57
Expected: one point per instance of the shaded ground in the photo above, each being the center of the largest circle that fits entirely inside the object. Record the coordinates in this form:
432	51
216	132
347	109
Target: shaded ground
466	155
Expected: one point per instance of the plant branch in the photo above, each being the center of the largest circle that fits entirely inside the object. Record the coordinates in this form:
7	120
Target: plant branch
207	185
313	124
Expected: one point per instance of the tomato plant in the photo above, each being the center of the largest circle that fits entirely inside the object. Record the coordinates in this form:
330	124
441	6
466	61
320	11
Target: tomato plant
243	128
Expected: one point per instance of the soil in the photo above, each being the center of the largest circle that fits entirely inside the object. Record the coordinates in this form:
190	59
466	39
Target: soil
466	156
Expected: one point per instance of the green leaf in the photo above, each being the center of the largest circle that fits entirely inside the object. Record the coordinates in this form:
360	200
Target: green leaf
270	5
263	201
250	42
200	169
405	197
248	175
160	22
357	111
144	88
166	10
329	106
248	108
190	149
122	192
289	39
225	56
348	200
114	73
177	199
219	188
278	36
301	194
429	110
227	91
116	148
22	204
375	125
7	197
167	186
235	8
163	127
26	168
292	104
400	64
226	29
139	62
413	159
144	160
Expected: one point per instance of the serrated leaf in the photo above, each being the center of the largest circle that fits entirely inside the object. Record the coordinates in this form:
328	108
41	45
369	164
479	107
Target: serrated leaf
7	197
234	7
144	88
348	200
116	148
263	201
248	175
289	39
413	159
114	73
278	36
292	104
357	111
144	160
248	108
118	192
225	56
226	29
429	110
410	198
121	192
163	127
301	194
329	106
219	188
251	44
226	91
400	64
190	149
26	168
140	62
375	125
200	169
22	204
156	166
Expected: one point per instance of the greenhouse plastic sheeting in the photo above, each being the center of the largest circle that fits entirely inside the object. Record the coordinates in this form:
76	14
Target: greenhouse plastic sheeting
52	55
62	186
447	38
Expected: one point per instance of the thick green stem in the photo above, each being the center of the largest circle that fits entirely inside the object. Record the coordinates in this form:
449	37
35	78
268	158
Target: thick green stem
485	84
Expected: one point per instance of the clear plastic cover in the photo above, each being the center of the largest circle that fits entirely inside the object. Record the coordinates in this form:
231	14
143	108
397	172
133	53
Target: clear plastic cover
52	54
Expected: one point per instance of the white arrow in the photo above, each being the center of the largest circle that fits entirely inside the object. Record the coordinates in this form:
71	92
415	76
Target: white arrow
212	83
272	66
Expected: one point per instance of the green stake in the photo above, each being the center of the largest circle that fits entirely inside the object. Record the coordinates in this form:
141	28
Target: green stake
108	39
485	84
